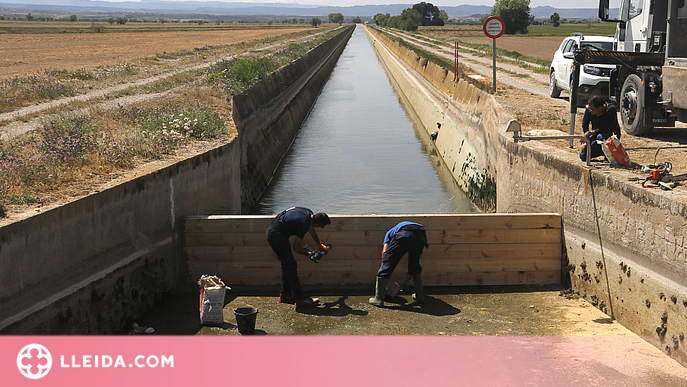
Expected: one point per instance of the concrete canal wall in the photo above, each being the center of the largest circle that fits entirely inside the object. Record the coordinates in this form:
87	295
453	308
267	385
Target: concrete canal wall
624	244
269	116
461	115
92	266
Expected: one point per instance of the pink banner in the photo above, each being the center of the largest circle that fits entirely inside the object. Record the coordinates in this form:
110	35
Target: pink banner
317	360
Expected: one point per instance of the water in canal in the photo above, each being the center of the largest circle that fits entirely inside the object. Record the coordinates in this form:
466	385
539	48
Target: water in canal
360	151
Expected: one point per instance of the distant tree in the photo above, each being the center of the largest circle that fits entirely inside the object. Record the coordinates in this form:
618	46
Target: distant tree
97	27
111	20
429	14
443	15
163	21
408	20
315	21
121	20
515	15
73	18
381	19
29	17
356	20
555	19
336	18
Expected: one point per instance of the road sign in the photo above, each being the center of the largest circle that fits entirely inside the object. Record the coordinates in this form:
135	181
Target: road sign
493	27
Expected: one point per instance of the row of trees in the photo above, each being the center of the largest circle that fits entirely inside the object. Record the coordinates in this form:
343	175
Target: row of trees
421	14
515	14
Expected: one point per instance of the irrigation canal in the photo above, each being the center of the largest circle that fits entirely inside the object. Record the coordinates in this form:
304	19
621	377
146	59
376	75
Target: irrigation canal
360	151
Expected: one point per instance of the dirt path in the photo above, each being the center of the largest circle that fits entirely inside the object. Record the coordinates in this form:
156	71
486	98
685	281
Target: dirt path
526	97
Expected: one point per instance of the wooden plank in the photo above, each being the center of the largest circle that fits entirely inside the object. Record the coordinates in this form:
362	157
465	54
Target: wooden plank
499	236
489	265
375	238
227	223
353	265
257	223
467	251
352	238
492	278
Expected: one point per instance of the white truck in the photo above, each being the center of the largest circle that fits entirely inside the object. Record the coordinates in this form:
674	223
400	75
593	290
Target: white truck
649	83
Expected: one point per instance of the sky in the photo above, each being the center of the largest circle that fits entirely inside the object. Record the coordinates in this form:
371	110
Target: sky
345	3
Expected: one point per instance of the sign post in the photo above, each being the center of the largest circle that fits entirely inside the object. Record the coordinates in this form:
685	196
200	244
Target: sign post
493	27
455	64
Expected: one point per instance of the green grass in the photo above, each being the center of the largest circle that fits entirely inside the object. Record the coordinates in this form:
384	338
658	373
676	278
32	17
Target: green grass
568	28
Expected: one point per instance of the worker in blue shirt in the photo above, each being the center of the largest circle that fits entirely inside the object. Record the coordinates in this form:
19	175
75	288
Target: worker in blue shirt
294	221
405	237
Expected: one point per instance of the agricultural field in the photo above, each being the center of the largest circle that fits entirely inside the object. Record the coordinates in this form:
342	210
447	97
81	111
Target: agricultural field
135	99
541	41
32	53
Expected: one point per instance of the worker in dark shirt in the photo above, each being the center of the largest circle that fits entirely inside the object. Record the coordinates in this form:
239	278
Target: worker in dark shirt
405	237
294	221
603	118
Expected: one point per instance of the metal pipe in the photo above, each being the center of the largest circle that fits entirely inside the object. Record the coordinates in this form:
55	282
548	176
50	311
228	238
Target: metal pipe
573	98
517	137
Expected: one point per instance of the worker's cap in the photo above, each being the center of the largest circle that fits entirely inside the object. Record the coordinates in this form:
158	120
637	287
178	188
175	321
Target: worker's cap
321	219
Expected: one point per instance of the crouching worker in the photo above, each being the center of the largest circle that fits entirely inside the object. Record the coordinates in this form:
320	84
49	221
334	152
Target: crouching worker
603	118
405	237
294	221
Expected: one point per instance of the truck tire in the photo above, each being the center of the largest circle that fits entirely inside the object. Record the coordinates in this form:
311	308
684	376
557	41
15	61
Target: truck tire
632	101
554	91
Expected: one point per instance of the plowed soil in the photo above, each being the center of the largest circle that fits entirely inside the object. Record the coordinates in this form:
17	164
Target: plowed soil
29	54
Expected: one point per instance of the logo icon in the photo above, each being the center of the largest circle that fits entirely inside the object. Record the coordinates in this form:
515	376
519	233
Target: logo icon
34	361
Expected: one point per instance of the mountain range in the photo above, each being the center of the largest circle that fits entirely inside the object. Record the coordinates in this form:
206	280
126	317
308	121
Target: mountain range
215	8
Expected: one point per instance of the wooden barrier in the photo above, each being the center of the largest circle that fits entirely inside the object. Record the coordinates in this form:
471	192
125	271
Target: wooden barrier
465	249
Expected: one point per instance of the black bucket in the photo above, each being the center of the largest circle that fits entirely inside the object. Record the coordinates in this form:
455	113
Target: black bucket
245	319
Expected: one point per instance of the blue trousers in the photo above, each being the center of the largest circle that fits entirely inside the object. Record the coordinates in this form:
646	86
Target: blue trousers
597	151
395	250
290	284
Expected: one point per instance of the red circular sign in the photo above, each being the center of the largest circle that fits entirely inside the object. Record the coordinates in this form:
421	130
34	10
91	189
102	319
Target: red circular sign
493	27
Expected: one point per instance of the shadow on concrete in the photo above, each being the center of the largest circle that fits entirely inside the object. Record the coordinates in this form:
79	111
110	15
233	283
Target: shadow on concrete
432	306
337	308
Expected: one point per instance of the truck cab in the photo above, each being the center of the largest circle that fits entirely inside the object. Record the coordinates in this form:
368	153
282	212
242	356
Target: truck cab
643	25
648	84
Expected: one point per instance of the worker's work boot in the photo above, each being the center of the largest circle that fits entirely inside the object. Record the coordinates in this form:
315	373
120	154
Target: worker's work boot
419	295
380	291
405	286
307	301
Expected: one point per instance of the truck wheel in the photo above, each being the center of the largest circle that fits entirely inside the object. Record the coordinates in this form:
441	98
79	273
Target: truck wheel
632	111
554	91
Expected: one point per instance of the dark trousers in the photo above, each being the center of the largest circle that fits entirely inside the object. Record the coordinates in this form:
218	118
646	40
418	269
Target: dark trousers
395	250
597	151
290	284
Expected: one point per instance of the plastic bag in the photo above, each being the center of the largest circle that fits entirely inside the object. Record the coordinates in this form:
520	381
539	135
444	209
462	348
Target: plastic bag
212	291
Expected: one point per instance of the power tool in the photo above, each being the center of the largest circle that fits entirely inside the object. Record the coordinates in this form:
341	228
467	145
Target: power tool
317	256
